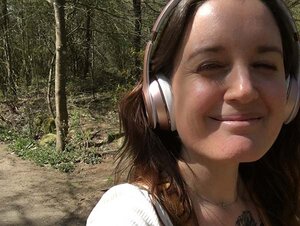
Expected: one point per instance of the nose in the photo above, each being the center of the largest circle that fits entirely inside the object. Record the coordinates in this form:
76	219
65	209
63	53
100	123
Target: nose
240	86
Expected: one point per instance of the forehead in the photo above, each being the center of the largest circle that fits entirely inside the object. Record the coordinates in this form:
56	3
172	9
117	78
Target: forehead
237	19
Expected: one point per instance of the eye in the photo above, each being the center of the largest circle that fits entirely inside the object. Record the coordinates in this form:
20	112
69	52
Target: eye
265	66
210	66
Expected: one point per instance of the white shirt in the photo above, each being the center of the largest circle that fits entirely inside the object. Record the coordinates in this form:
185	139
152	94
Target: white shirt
127	205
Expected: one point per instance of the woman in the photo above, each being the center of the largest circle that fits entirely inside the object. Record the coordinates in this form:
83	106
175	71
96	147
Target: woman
212	130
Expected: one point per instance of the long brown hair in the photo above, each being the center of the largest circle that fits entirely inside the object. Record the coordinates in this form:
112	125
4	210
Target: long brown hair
272	181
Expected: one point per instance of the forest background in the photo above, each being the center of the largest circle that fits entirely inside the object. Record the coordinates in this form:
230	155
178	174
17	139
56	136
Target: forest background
63	67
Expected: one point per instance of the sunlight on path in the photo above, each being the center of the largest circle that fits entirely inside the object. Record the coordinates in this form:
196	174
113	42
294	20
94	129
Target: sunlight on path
32	195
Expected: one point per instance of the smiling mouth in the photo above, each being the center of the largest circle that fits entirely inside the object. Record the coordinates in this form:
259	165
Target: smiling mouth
236	119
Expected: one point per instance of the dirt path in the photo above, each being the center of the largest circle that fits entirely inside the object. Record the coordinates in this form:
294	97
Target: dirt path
35	196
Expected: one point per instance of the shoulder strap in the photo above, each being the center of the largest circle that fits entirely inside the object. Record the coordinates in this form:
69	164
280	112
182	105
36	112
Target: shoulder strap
161	213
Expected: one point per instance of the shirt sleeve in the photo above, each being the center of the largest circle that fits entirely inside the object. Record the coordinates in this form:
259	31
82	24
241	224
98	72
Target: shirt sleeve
124	205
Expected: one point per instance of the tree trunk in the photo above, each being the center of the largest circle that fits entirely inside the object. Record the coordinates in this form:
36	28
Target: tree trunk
50	108
137	39
61	120
26	54
10	81
93	66
88	39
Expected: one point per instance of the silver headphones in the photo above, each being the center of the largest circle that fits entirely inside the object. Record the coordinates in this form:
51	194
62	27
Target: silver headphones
157	92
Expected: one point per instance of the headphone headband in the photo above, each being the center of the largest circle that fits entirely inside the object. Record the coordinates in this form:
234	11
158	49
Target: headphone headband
162	17
287	12
165	13
293	94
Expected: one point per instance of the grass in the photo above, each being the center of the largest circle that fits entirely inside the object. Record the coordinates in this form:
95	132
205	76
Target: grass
65	161
90	122
43	156
28	148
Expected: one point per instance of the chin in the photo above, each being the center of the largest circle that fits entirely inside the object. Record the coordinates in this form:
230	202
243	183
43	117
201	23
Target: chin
250	158
243	150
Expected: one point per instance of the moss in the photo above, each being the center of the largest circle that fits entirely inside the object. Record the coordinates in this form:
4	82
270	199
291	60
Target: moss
48	139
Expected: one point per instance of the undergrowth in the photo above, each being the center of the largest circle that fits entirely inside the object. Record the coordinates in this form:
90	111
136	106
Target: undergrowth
25	131
65	161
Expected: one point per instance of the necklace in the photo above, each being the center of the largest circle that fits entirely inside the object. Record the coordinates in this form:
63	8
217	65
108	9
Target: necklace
222	205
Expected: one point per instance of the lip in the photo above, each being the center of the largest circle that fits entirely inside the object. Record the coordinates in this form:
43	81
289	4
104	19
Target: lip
238	119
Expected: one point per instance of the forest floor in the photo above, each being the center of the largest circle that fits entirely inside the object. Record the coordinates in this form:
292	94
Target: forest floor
31	195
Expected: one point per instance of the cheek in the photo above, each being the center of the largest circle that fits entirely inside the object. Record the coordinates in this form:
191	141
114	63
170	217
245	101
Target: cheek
275	97
193	98
277	107
193	102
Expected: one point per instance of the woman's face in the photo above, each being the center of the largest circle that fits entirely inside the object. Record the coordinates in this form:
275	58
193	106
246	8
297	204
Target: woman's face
229	82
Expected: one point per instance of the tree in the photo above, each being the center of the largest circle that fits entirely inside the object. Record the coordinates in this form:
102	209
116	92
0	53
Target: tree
137	39
60	76
9	80
88	40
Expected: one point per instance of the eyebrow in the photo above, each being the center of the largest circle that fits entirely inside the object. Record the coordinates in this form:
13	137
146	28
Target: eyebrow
267	49
206	49
215	49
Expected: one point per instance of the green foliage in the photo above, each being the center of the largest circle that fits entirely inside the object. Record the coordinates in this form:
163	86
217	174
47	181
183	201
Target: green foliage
29	130
5	134
42	155
91	157
108	51
43	152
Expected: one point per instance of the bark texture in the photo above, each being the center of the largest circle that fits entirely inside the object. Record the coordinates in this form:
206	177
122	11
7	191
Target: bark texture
60	76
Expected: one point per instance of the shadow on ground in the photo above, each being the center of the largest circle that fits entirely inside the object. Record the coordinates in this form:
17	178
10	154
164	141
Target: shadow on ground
35	196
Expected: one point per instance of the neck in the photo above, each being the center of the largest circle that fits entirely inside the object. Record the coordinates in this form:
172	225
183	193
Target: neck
210	181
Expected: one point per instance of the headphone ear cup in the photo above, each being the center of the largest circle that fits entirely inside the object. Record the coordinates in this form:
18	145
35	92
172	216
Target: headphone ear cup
149	103
166	93
293	97
161	100
159	114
